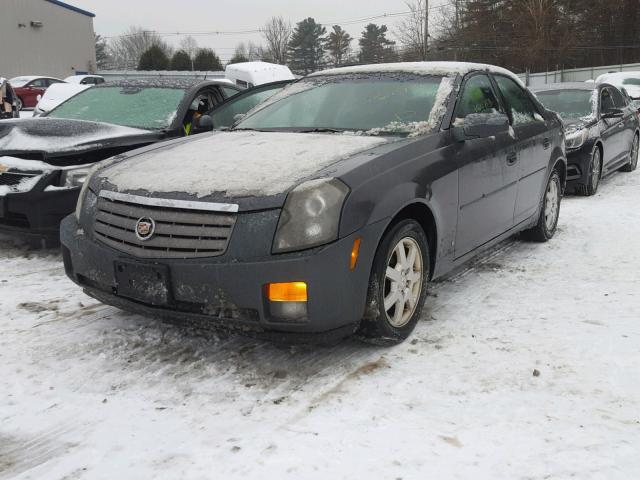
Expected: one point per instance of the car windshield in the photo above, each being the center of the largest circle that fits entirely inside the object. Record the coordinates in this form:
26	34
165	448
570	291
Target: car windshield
570	104
151	108
20	81
366	103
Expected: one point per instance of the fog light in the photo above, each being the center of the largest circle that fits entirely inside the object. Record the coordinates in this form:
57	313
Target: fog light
287	292
288	311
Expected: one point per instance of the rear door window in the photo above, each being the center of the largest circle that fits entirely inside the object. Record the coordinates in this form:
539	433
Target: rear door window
521	108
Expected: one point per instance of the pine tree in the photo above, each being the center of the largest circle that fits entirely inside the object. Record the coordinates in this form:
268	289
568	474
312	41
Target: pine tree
207	61
375	47
180	61
306	47
338	44
154	58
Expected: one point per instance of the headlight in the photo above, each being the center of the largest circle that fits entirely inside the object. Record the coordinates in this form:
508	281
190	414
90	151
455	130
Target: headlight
85	187
74	177
311	215
575	139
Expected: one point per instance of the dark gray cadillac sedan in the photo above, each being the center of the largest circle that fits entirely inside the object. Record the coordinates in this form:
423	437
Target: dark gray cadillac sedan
328	208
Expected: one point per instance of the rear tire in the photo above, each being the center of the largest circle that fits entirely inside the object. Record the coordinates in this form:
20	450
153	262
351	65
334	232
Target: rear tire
19	104
633	156
398	285
595	174
549	212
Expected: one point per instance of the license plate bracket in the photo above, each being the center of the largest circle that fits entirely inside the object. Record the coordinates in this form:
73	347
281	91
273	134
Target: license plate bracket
147	283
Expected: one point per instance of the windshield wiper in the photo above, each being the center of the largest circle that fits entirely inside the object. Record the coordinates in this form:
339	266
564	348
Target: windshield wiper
320	130
246	129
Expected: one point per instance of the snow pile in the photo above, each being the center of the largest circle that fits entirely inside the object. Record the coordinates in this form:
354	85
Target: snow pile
24	165
238	163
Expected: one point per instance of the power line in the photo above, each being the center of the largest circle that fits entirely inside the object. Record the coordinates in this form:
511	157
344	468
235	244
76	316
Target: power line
261	30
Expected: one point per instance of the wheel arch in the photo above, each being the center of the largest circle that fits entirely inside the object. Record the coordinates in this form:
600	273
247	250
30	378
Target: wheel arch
421	213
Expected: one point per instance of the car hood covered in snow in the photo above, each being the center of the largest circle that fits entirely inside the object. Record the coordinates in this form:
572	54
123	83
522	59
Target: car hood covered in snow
234	164
58	137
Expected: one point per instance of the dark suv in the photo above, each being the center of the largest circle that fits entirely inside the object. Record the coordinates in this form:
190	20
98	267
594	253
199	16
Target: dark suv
328	208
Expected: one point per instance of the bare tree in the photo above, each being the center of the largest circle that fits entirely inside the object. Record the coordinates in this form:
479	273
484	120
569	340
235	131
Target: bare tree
410	31
189	45
126	49
277	32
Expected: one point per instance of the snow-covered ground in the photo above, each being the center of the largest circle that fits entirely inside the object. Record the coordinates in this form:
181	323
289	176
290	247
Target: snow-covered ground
526	365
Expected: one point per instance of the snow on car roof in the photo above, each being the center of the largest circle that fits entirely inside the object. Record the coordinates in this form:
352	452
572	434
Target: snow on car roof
79	78
419	68
184	83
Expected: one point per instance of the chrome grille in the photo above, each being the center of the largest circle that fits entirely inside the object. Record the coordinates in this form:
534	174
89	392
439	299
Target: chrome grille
182	229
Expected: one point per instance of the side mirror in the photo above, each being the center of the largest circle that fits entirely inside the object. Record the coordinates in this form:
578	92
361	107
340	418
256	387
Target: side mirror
39	97
480	125
205	123
613	113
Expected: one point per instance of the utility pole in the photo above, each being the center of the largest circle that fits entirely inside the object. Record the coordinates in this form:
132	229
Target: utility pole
426	28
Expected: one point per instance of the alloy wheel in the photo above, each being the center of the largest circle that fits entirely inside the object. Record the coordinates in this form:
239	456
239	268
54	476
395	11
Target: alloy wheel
403	282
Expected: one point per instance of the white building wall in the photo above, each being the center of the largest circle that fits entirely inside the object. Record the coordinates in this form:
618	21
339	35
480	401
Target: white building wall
63	45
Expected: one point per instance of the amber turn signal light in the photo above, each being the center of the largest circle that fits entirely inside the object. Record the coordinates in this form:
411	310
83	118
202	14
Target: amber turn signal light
355	251
287	292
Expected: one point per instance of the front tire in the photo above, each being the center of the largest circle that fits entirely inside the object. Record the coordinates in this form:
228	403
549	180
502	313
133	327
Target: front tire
547	224
595	174
19	104
398	285
633	156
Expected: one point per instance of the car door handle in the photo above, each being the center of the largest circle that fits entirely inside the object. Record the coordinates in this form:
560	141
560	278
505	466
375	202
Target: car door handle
512	158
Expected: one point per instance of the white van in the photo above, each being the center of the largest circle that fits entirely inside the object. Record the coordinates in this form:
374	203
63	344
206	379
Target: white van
250	74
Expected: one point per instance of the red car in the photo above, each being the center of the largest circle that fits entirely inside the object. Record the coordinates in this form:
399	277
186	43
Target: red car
28	88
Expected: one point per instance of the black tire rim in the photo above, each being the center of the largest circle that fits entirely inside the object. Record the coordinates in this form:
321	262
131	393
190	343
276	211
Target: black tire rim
596	169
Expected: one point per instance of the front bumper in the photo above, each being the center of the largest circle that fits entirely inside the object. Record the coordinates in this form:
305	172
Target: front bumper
228	292
578	162
36	213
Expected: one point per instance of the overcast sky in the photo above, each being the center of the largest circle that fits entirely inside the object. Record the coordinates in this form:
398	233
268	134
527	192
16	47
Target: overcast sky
113	17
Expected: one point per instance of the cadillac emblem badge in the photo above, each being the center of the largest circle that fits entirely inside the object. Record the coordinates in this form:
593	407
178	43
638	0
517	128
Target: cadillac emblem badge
145	228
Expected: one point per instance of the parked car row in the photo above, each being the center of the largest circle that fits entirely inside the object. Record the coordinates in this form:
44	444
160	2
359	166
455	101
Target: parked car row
317	209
